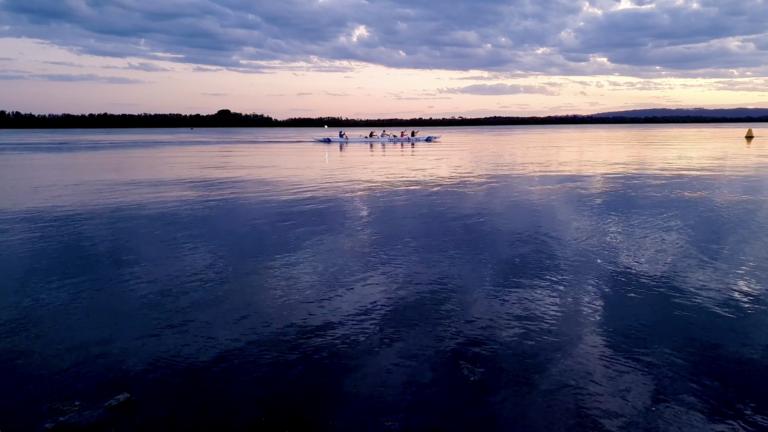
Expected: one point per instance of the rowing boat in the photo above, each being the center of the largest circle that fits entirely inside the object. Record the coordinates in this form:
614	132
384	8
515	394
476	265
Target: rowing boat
430	138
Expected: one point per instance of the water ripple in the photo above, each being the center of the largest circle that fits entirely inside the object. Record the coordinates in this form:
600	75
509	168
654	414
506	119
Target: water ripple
579	278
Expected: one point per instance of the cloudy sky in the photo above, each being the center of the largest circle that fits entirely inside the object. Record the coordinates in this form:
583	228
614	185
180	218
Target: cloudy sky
374	58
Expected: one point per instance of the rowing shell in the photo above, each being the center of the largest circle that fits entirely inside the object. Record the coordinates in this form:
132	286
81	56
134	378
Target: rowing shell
431	138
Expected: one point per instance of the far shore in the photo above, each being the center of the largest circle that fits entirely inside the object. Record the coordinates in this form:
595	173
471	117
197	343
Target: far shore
227	118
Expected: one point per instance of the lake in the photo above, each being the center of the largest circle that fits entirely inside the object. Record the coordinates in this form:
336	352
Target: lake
578	278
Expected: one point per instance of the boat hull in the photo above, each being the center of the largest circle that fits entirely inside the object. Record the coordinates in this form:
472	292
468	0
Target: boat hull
328	140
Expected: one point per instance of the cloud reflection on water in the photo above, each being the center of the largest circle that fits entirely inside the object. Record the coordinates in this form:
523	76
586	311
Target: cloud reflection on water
465	283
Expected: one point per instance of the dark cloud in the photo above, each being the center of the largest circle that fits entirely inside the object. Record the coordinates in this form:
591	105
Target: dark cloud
62	63
644	85
206	69
676	35
501	89
141	66
514	36
86	77
743	85
61	77
12	76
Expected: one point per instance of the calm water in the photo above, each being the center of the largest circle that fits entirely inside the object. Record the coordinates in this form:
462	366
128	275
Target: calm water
548	278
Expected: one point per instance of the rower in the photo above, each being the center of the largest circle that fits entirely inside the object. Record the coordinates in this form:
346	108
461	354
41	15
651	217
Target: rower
342	134
384	133
413	133
372	135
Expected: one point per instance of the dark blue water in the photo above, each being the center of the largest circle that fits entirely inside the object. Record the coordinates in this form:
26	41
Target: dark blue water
542	279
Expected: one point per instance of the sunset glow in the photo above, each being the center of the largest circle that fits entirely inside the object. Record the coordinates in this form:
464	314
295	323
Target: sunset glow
381	59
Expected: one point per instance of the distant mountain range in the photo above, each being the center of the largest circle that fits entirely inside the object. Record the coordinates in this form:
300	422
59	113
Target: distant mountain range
722	113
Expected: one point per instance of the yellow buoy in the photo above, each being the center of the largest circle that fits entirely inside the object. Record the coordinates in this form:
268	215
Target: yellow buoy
750	134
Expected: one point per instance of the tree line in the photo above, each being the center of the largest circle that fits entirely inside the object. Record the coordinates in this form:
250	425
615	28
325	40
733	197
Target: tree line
227	118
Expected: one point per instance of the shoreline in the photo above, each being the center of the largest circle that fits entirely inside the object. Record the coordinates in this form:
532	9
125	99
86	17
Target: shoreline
228	119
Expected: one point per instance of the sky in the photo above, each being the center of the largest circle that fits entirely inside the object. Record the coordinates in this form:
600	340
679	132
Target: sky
390	58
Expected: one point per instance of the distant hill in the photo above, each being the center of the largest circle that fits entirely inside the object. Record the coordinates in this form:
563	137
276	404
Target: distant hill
729	113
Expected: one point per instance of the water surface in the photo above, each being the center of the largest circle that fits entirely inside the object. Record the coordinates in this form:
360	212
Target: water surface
508	278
